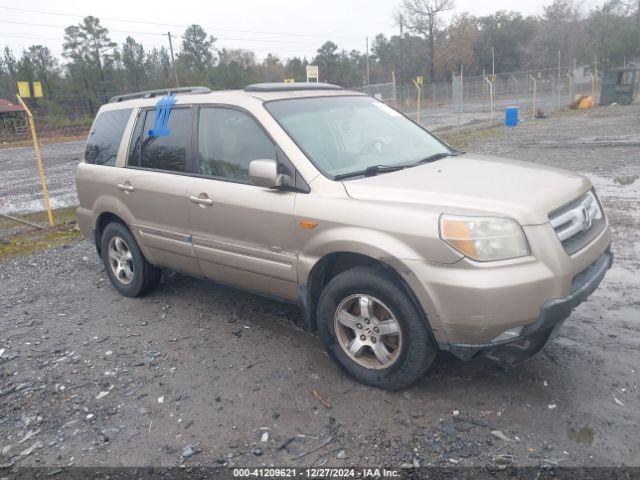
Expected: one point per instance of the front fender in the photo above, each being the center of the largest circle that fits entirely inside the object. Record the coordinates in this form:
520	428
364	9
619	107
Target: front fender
375	244
380	246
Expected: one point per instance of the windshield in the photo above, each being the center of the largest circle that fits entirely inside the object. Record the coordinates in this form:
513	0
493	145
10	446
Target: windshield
343	135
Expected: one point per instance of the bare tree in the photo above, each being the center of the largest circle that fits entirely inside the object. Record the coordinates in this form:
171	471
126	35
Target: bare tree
423	17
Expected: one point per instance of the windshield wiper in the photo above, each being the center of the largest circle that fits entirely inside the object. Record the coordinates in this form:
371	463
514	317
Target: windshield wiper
374	170
437	156
371	171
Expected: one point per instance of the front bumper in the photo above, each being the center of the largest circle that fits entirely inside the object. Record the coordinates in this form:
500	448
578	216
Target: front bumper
533	337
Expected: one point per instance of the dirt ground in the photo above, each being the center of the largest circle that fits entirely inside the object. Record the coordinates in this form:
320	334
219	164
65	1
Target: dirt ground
90	378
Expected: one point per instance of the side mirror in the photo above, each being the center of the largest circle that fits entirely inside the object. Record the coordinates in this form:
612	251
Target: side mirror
264	173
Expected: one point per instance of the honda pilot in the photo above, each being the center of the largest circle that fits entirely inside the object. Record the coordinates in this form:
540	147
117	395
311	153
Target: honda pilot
394	244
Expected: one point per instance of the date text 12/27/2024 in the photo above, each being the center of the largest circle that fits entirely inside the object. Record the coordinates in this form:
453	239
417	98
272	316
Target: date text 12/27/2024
318	472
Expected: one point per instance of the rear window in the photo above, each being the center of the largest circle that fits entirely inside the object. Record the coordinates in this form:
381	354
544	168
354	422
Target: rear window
167	153
105	136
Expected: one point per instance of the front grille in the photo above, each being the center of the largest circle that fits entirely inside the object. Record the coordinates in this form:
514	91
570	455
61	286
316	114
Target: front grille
578	222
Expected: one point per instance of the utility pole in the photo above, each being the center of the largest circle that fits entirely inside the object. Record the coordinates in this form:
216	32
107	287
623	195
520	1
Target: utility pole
594	76
493	61
402	49
461	89
559	68
367	50
173	60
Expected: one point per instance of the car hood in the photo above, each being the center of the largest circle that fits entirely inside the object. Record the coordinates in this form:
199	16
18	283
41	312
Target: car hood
476	184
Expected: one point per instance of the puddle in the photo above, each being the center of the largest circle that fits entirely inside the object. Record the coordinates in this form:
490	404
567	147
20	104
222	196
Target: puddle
620	274
629	313
583	435
607	187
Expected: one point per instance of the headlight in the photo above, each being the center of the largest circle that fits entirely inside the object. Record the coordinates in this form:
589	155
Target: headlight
484	238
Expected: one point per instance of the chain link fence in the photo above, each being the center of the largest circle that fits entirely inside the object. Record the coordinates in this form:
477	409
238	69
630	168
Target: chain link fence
62	123
485	97
459	101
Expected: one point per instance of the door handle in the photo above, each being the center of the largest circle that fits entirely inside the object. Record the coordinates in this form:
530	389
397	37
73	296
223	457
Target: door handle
127	188
201	200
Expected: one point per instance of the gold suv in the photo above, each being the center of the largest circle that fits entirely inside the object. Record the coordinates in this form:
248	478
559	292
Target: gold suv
394	244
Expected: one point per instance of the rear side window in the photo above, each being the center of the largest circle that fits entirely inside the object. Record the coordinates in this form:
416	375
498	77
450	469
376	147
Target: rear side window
105	137
228	141
165	152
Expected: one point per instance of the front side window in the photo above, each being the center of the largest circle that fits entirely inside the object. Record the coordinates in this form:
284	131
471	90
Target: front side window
228	141
162	152
342	135
105	137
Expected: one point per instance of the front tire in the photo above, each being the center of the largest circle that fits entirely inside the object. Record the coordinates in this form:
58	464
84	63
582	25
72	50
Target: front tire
373	330
128	270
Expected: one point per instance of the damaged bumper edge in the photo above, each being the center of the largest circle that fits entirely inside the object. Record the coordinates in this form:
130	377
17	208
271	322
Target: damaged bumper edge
533	337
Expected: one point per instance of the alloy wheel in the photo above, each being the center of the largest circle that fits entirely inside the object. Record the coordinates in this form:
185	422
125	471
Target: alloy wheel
120	260
368	332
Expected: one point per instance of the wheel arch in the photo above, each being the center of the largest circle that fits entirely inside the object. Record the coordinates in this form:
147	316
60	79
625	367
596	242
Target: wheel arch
332	264
104	219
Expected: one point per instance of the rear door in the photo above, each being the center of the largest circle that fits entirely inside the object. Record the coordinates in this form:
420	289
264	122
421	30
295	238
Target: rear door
153	189
97	175
243	235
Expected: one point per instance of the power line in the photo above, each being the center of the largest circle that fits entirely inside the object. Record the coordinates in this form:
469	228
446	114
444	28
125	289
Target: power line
18	35
129	32
159	24
149	46
49	25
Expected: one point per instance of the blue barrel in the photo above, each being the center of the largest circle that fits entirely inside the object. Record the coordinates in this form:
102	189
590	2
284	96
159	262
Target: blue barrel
511	117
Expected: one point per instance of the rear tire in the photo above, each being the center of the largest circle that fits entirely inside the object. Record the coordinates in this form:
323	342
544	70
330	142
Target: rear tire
356	315
128	270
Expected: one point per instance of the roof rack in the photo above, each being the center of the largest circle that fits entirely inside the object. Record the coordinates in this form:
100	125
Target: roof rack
161	91
286	87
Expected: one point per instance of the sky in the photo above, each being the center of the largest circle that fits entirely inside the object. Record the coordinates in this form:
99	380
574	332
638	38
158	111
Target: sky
284	27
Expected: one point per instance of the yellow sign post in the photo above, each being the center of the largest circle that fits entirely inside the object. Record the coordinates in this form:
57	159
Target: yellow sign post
24	90
418	84
570	77
36	148
37	90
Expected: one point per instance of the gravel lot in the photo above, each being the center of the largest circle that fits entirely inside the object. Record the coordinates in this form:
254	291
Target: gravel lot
20	189
90	378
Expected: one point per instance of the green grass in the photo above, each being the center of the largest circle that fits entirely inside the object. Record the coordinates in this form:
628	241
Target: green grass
17	239
60	216
626	179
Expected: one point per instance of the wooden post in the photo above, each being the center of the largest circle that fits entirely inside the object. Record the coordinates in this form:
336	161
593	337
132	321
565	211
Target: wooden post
570	76
535	83
36	148
418	84
491	94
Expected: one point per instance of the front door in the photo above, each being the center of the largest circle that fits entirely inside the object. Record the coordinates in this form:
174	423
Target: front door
153	190
243	235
